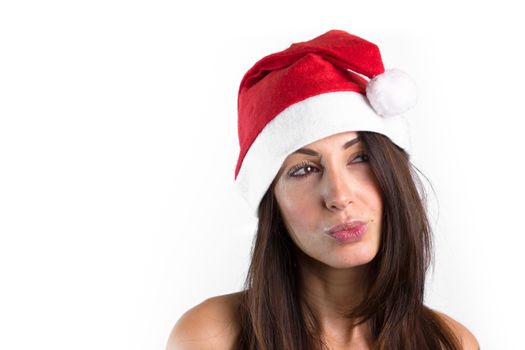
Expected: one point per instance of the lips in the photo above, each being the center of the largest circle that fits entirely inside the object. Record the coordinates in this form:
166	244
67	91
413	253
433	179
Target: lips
347	226
348	232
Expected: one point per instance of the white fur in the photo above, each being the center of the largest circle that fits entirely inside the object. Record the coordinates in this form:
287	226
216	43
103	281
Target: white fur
391	93
303	123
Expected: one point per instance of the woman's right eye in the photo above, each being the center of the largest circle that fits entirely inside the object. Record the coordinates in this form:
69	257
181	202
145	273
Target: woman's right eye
303	169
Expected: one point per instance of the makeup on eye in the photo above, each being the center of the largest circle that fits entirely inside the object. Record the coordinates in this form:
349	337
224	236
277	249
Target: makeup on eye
305	164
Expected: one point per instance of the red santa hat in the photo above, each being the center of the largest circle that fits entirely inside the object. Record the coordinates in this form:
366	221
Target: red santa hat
309	91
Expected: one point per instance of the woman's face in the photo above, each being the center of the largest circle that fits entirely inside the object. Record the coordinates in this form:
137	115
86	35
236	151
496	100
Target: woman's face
327	183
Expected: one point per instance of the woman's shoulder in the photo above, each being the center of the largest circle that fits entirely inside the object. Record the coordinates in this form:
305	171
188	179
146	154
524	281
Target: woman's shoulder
212	324
468	340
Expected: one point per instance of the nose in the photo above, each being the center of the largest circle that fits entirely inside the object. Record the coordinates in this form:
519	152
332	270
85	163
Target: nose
336	188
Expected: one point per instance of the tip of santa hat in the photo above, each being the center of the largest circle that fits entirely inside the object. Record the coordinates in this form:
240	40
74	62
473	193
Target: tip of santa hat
391	93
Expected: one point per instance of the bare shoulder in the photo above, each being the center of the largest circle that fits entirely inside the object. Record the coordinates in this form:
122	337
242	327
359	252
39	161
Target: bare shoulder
468	339
212	324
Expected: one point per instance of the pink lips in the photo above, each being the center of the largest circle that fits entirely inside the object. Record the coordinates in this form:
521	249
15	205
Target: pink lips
348	232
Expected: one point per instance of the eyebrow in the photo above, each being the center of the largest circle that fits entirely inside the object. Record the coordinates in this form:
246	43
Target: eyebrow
311	152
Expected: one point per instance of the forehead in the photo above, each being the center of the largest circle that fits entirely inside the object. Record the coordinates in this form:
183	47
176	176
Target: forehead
336	140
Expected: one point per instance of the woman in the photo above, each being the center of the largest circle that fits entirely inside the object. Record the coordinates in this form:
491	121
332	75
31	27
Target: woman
343	242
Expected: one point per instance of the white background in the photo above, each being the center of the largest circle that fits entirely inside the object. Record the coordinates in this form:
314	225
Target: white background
118	144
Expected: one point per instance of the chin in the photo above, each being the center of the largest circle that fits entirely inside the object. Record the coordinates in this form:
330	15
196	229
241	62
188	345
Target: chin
354	259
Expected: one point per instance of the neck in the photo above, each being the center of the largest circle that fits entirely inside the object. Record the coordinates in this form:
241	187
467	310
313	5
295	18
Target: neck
329	294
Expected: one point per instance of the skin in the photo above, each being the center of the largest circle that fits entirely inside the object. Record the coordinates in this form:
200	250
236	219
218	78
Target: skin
340	187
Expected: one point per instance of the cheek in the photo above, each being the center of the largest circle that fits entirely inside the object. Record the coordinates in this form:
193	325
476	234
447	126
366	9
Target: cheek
377	203
371	193
295	207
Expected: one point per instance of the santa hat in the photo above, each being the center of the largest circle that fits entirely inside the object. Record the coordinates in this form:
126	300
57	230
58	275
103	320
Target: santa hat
309	91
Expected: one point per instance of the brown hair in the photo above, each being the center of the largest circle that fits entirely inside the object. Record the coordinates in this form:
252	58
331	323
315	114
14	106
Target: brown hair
272	315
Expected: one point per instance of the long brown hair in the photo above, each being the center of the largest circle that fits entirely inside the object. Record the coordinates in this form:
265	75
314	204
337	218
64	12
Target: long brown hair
272	315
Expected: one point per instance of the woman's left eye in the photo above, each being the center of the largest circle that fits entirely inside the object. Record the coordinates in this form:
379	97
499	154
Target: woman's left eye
363	156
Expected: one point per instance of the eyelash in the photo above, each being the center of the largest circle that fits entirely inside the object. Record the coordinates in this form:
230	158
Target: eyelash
306	163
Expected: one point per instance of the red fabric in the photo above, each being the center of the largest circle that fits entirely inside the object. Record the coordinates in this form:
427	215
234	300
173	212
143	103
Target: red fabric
323	64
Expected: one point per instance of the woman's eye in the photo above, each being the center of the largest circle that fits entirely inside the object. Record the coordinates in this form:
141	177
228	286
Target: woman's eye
302	170
305	169
363	156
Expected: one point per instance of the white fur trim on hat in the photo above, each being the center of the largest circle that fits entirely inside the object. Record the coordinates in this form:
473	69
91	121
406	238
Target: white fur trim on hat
305	122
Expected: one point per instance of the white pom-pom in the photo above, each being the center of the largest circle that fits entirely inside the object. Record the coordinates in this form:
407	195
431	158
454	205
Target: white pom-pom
391	93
